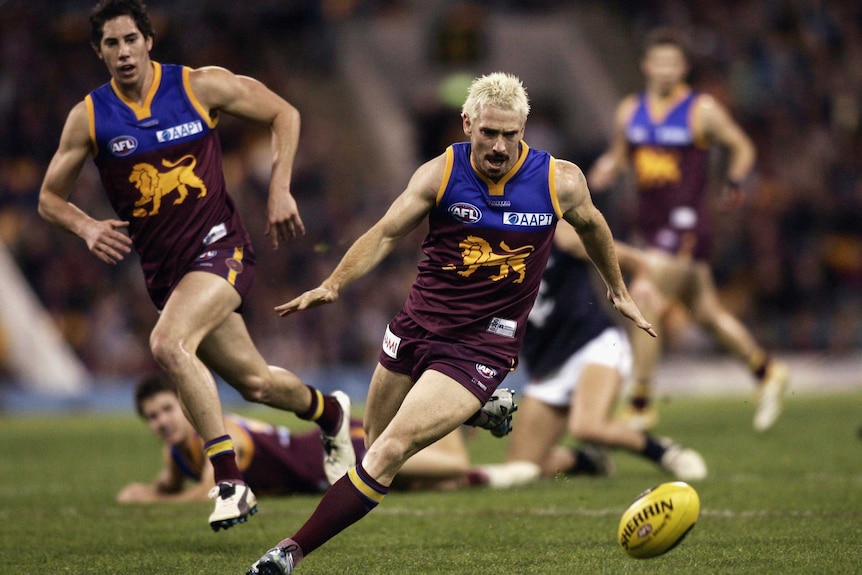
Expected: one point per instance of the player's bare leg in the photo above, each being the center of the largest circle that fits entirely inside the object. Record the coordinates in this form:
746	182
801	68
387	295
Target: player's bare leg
443	464
230	352
591	421
669	276
771	375
198	305
434	406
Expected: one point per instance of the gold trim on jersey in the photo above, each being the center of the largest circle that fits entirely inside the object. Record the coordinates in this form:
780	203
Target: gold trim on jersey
695	124
91	120
243	444
144	110
187	85
552	187
447	173
193	452
499	188
658	109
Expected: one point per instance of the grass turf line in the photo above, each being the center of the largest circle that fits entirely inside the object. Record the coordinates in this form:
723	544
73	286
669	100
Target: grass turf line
787	501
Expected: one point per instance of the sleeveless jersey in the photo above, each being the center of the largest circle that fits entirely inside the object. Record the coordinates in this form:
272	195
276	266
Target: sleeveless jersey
567	315
272	460
486	248
671	170
161	167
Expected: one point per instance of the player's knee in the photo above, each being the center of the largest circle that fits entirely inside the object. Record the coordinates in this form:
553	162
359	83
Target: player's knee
391	453
167	351
253	388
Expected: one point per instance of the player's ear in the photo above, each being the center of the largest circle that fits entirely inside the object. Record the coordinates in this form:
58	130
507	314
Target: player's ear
467	125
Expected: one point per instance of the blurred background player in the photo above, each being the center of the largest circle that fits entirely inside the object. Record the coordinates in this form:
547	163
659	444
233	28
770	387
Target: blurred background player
665	135
151	133
272	459
577	360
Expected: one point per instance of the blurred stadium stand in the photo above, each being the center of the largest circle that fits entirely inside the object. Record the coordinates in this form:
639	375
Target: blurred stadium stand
379	84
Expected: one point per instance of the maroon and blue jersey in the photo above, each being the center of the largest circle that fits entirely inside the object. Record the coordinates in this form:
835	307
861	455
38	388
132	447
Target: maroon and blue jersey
161	166
486	249
567	315
272	460
671	170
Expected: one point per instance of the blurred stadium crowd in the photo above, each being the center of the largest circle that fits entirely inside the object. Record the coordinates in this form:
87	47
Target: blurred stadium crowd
790	262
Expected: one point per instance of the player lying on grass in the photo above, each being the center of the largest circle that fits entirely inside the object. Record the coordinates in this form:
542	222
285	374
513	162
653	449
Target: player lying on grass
577	359
272	459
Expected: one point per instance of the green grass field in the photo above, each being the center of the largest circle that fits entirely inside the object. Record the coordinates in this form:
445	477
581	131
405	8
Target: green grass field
789	501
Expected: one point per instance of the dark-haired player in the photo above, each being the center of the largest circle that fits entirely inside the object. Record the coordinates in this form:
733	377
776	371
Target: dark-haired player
665	135
151	133
272	459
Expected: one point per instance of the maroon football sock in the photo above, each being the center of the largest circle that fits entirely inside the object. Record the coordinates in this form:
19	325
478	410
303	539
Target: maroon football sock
324	410
348	500
223	457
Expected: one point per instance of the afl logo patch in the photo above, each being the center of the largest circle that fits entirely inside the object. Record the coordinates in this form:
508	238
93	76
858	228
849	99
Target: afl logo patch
466	213
123	146
485	371
207	255
234	265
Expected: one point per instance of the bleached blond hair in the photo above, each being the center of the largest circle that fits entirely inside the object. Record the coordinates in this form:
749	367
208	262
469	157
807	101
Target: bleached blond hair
497	90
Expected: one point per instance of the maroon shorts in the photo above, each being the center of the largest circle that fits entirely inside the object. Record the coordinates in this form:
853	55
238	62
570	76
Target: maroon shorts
412	350
236	264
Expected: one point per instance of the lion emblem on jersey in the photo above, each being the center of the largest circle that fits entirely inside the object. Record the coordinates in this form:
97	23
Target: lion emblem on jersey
155	185
477	253
656	167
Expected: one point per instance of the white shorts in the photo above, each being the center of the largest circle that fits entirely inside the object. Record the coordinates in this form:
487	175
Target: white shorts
610	348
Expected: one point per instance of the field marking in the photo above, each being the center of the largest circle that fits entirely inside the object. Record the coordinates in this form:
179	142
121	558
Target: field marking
560	512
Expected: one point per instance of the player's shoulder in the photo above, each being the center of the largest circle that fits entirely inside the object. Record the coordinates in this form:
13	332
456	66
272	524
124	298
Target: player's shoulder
207	72
710	114
431	172
627	106
707	104
567	172
208	77
570	183
79	110
77	124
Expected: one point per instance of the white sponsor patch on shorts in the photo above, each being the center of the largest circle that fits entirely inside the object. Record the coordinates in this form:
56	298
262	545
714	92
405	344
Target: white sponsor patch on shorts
216	233
504	327
391	343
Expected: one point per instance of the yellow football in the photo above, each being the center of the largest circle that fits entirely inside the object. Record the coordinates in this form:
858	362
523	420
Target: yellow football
658	519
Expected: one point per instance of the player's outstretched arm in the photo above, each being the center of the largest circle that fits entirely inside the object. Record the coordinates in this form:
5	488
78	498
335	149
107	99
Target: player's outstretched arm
169	487
405	213
579	211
